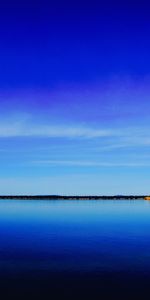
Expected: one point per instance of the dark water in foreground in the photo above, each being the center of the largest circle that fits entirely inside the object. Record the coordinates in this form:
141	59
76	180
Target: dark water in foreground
74	249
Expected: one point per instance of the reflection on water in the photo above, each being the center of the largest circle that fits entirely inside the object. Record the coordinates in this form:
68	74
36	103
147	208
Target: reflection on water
74	235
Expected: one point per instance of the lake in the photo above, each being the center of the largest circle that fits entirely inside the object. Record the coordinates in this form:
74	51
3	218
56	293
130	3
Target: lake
74	248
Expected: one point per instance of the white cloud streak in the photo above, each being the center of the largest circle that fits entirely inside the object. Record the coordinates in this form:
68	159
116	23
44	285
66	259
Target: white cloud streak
116	137
73	163
21	129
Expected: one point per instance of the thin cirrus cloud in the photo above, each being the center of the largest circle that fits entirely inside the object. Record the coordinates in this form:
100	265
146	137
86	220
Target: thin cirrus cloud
73	163
114	138
19	129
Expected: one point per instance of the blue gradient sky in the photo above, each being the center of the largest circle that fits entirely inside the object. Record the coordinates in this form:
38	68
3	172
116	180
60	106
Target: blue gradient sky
74	98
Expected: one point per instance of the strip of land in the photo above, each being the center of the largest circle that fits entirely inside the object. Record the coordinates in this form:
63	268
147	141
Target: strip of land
60	197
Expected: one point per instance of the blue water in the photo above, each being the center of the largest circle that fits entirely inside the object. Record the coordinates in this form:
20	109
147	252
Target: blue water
74	235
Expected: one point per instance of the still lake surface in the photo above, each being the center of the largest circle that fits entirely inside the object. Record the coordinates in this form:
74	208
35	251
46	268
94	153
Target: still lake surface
83	238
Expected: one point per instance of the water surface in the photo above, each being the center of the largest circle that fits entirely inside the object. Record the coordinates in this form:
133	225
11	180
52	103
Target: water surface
78	237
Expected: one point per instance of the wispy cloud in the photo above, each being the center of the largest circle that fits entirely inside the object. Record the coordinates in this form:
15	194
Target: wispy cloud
124	143
30	129
75	163
115	138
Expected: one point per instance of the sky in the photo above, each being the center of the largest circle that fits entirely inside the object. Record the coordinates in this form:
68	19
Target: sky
74	98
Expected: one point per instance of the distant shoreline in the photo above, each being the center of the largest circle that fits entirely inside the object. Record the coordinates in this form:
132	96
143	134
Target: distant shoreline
59	197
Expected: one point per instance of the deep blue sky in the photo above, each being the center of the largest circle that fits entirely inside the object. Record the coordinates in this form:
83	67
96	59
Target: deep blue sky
74	98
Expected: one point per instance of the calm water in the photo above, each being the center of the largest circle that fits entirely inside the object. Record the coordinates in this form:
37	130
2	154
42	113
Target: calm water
74	235
78	237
